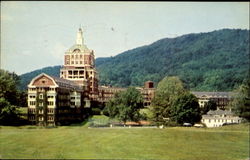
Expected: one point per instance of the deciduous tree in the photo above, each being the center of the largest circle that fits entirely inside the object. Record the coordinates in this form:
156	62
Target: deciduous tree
8	86
8	112
241	101
125	105
166	94
185	109
210	105
9	98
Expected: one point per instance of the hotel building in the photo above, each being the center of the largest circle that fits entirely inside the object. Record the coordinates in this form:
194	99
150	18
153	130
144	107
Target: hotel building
56	101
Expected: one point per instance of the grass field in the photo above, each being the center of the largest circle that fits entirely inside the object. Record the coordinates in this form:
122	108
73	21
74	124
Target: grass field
226	143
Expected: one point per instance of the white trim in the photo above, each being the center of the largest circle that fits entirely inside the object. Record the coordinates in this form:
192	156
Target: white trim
40	75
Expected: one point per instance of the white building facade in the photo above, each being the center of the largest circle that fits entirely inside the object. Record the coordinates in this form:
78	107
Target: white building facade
218	118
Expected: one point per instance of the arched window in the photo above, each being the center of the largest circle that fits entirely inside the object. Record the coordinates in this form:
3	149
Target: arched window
76	50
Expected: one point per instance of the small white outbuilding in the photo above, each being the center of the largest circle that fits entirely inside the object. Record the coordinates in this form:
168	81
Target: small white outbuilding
218	118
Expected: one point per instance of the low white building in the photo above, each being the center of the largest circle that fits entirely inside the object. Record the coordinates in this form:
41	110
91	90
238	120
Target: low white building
219	117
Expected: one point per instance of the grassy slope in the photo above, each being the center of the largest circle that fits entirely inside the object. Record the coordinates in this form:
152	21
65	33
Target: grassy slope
229	142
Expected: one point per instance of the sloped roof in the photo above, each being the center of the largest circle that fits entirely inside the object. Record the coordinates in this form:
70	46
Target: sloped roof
60	82
64	82
111	88
213	94
219	112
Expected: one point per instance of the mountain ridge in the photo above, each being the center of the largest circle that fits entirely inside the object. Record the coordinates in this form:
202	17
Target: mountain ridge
204	61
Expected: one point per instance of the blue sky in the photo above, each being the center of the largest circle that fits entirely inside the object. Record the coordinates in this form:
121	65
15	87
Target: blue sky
36	34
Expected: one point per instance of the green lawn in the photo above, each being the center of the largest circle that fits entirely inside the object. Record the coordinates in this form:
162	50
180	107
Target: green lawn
226	143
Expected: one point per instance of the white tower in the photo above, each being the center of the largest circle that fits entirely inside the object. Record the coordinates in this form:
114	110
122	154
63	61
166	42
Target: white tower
79	37
79	66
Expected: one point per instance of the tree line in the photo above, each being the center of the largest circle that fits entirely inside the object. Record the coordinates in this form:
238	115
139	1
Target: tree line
213	61
172	105
11	99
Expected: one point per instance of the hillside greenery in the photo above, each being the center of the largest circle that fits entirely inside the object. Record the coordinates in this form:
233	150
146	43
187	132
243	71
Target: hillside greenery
213	61
27	77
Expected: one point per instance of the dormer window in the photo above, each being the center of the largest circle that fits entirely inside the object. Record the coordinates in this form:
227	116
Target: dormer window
43	81
76	50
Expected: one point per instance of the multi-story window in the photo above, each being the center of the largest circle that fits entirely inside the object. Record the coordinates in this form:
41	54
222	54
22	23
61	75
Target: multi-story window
40	89
32	89
32	111
50	96
51	118
51	89
40	118
32	118
51	103
40	96
32	103
50	110
40	111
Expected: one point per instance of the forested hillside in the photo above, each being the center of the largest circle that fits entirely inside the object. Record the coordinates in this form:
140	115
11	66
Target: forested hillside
214	61
27	77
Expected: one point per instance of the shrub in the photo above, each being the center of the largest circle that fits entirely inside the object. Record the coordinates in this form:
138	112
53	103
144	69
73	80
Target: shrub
105	112
96	111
